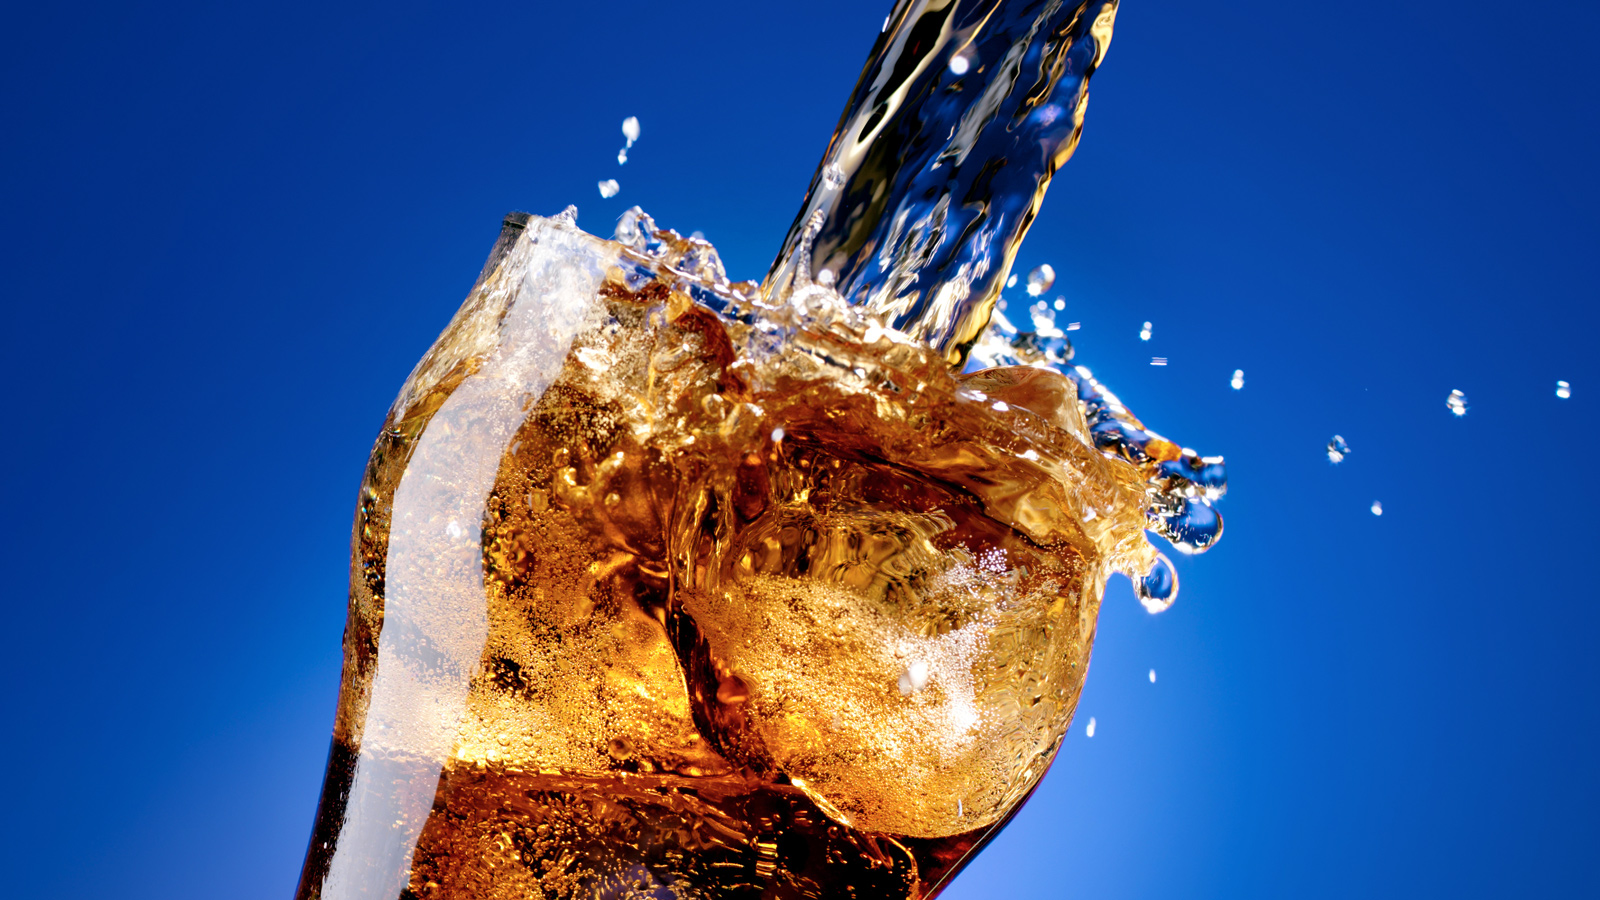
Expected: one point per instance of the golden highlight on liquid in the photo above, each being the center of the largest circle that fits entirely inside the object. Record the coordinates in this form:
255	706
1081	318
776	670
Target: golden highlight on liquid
652	601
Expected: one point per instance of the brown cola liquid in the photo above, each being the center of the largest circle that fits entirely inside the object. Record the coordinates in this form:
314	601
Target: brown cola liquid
649	603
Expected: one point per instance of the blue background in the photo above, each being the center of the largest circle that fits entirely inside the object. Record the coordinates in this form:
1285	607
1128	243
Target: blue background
229	232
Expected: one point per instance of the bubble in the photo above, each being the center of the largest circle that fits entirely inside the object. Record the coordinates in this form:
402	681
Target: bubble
630	129
609	188
1158	360
1144	333
1338	449
1159	587
1040	280
833	177
1377	508
959	65
1088	731
1238	379
1152	676
1563	390
914	678
1457	402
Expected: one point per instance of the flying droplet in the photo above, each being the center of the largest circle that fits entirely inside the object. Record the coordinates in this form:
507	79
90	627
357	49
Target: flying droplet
1238	379
1377	508
777	435
1159	587
1074	326
1089	731
1012	281
1152	676
1338	449
833	177
1040	280
1457	402
609	188
1144	333
622	156
630	129
1563	390
1158	360
959	65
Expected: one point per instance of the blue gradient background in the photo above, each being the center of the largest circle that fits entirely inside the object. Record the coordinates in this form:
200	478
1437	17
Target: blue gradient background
230	231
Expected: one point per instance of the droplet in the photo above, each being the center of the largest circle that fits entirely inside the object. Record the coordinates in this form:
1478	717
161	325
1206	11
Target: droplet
777	435
1012	281
1040	280
1060	304
1159	587
1238	379
1089	730
609	188
1152	676
1457	402
622	156
630	129
1144	333
959	65
1074	326
833	177
1158	360
1377	508
1563	390
1338	449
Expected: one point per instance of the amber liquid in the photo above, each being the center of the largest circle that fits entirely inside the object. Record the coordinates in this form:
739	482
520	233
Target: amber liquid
802	624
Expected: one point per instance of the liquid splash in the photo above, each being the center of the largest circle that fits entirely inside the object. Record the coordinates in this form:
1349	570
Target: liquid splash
1338	449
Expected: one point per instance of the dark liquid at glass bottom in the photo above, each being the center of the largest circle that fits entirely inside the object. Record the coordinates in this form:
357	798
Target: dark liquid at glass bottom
496	834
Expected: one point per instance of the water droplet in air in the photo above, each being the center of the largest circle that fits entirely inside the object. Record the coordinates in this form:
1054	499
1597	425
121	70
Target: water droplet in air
1158	360
1338	449
1152	676
1377	508
1144	333
622	156
1012	281
1074	326
453	529
1238	379
1563	390
1040	280
1089	730
609	188
1457	402
1060	304
777	435
959	65
833	177
630	129
1159	587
